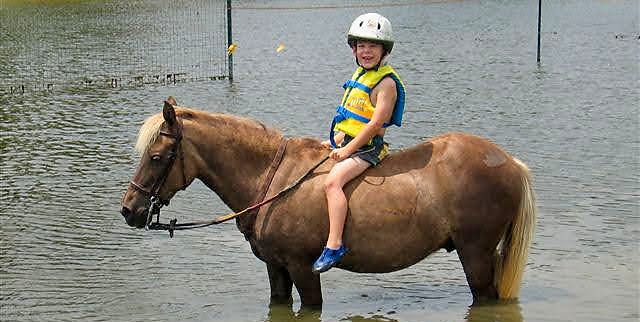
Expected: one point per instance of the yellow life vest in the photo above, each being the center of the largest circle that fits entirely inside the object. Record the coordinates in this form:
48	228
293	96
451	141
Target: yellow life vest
356	109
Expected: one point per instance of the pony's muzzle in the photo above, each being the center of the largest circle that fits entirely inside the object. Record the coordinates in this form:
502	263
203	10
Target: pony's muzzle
133	219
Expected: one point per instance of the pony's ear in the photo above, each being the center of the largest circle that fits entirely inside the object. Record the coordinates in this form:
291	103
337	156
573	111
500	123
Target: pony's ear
169	113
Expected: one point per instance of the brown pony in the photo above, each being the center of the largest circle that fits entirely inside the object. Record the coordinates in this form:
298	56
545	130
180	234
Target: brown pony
456	191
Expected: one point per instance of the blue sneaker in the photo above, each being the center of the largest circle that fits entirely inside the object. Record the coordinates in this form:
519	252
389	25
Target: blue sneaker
328	258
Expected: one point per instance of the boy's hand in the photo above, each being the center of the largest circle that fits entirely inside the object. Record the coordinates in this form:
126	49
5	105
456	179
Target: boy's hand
339	154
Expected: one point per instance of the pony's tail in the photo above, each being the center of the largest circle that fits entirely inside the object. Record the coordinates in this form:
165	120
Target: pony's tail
513	249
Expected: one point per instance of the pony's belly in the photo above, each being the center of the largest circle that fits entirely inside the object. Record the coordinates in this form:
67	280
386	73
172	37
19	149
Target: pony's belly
390	225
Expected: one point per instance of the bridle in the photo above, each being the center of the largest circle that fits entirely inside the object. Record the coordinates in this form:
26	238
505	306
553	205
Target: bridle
157	202
153	192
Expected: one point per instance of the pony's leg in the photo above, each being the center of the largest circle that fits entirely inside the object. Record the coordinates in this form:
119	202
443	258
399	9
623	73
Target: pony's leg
308	285
281	284
479	267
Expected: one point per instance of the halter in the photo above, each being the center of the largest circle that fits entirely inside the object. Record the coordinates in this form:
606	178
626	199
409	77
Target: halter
262	199
153	192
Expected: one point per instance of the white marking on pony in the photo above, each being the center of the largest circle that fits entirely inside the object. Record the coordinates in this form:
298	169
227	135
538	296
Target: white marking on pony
494	158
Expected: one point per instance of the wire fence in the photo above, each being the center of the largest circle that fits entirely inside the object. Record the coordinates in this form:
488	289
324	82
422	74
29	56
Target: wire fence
325	4
69	44
61	44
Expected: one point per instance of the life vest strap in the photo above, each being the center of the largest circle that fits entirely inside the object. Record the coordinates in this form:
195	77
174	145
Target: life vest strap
346	114
342	113
332	132
353	84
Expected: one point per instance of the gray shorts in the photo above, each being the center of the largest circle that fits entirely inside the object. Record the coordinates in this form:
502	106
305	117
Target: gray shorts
373	152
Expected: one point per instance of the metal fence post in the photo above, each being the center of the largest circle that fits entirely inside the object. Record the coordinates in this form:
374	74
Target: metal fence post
229	39
539	21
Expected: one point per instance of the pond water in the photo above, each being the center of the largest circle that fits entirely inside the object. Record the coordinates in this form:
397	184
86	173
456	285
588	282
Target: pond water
66	254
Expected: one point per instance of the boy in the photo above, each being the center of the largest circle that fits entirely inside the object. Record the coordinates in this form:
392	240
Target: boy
373	100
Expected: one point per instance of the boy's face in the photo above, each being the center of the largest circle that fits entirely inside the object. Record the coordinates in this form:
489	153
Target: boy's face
368	53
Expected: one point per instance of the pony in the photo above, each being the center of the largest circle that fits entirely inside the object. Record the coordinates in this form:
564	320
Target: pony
455	191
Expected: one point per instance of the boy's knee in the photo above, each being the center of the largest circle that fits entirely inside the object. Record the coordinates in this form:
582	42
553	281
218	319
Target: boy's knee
331	184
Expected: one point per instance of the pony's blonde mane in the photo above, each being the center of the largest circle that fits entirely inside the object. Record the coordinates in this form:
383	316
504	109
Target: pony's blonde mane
151	127
149	132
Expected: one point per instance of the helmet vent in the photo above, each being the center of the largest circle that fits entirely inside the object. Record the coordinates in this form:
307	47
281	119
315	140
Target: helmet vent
361	22
379	26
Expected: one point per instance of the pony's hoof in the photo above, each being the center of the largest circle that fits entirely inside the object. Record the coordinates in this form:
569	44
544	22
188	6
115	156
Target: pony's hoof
328	258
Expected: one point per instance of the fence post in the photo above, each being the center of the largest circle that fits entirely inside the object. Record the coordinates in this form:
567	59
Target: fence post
229	39
539	21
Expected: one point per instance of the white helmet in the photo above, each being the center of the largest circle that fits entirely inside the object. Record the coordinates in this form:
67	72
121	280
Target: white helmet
371	26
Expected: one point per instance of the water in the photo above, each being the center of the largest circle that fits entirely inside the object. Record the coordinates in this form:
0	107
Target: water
67	255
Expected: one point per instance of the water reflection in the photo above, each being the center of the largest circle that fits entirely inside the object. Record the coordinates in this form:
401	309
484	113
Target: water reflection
285	313
374	318
500	312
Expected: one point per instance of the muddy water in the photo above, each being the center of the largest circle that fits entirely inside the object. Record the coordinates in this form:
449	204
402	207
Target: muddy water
66	156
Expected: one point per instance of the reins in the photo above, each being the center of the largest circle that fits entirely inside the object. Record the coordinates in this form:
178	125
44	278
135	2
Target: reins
172	226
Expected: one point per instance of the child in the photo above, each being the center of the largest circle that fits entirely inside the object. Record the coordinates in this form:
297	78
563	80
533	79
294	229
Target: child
373	100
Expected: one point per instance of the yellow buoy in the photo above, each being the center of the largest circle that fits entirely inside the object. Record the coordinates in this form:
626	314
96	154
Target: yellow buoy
231	49
280	48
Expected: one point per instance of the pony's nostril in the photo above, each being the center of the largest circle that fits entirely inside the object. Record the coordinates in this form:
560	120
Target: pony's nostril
125	212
